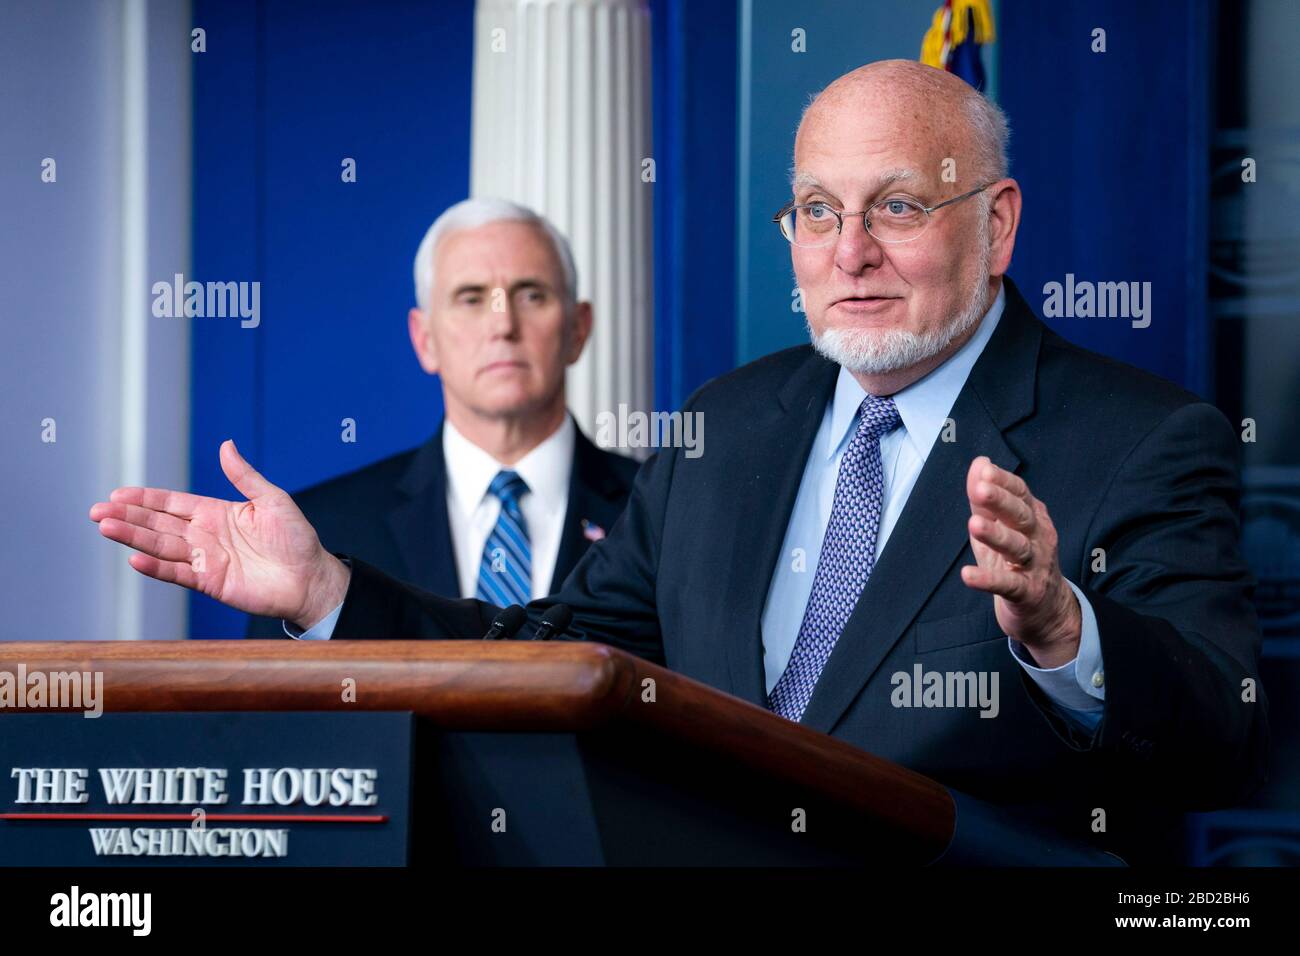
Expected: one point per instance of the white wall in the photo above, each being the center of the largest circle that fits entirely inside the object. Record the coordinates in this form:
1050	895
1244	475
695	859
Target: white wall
103	89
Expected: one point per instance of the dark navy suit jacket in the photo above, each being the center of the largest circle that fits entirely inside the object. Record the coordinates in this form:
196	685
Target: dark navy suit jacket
1125	462
393	515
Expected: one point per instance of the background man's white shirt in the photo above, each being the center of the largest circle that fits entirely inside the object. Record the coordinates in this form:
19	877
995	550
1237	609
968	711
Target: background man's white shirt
473	512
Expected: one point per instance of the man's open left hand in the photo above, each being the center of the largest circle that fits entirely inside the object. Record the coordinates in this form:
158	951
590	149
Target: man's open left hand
1014	542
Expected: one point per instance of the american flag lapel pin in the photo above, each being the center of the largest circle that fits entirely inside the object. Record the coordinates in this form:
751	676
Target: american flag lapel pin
592	531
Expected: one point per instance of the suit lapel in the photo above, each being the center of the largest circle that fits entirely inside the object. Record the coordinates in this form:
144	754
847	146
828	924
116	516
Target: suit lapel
769	468
419	521
931	531
594	497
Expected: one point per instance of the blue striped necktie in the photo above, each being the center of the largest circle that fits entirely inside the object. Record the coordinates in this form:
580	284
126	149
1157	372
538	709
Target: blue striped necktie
505	573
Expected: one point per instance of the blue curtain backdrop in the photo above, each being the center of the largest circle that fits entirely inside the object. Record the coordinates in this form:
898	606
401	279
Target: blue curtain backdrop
1112	152
284	93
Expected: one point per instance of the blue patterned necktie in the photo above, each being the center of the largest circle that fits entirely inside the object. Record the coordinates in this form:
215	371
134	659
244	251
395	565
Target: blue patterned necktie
505	572
848	555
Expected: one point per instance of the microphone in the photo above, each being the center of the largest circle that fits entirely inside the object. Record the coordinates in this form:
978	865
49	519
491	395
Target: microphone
506	624
554	622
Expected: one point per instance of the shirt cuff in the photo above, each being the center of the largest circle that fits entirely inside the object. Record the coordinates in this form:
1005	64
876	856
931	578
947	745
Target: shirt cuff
320	631
1077	687
323	629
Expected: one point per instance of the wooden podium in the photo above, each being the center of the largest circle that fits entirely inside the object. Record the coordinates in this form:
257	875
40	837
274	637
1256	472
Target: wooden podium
595	756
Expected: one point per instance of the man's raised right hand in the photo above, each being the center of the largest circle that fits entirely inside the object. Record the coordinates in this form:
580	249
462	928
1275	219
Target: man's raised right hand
261	555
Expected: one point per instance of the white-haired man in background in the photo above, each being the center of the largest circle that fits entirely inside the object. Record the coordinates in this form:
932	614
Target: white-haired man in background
508	494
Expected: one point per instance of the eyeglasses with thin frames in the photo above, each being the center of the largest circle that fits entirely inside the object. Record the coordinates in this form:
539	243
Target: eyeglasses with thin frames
890	220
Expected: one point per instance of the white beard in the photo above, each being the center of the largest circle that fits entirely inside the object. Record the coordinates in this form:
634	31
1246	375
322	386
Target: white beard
878	351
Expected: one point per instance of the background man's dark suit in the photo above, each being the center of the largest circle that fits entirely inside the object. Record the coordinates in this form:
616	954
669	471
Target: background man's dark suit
393	514
1124	461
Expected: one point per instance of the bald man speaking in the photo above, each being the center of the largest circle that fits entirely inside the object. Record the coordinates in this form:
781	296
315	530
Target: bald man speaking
940	532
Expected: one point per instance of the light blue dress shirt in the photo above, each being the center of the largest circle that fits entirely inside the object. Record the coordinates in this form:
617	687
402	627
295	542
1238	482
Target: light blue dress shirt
1076	688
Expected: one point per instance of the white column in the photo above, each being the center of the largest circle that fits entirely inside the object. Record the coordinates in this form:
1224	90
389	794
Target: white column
561	123
153	360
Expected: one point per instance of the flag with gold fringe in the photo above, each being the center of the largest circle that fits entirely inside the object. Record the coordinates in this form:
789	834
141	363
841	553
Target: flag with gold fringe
959	29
